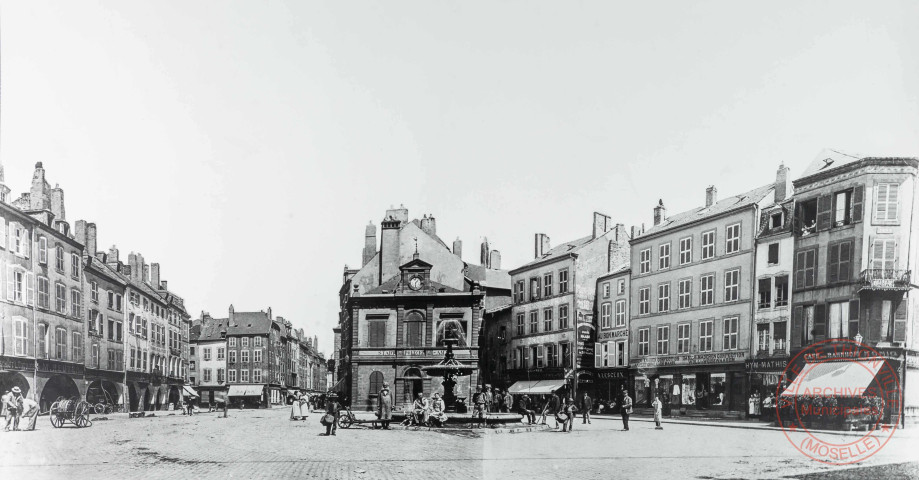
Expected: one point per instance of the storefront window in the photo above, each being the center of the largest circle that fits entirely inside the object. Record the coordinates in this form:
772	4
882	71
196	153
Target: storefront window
641	390
719	389
689	389
778	336
664	385
762	338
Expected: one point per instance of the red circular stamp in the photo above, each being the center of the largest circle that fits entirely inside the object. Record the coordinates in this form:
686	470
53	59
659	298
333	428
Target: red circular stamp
833	386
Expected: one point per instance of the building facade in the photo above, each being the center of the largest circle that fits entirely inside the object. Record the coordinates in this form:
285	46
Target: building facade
854	260
611	351
691	303
553	334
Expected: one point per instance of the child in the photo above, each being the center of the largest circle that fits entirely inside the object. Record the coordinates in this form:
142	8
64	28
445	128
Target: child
568	410
657	404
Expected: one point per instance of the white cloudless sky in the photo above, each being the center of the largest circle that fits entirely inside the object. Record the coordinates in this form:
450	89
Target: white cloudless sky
245	145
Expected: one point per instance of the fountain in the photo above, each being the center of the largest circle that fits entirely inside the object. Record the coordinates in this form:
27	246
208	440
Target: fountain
449	368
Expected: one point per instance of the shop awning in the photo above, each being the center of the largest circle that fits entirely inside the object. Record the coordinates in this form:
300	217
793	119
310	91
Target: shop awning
840	379
245	390
536	387
190	392
220	396
339	386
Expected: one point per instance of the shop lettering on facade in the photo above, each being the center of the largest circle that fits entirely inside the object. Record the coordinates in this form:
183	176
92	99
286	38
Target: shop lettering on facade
615	334
611	375
56	367
847	351
13	363
694	359
766	365
377	353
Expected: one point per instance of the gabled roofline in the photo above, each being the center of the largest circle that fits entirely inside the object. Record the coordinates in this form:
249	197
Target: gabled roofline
880	161
542	263
697	221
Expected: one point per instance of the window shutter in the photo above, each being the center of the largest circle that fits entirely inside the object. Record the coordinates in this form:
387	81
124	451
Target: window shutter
854	326
819	321
899	321
844	267
832	264
797	317
2	232
824	211
858	200
10	287
26	243
810	265
799	269
893	200
30	288
763	222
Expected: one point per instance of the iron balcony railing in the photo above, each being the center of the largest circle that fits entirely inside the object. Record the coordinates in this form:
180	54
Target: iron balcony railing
885	279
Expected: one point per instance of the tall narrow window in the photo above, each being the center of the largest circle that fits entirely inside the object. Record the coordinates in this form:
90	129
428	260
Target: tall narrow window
765	292
643	341
74	265
605	314
60	344
685	251
733	238
644	300
534	321
781	291
520	324
663	340
682	345
376	333
43	250
563	317
705	335
842	208
59	258
644	261
547	320
547	285
884	254
663	258
730	333
708	245
806	268
707	290
563	281
685	293
663	297
620	313
731	285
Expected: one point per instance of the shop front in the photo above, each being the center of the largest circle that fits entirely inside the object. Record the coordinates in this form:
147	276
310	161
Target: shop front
764	376
540	383
608	387
713	382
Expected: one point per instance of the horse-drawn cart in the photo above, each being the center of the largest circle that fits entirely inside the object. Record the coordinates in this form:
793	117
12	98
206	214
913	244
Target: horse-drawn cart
72	410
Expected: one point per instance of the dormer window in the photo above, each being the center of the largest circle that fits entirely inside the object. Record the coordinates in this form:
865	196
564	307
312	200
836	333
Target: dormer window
775	220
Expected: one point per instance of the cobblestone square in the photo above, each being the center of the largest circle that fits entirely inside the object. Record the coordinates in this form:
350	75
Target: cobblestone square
266	444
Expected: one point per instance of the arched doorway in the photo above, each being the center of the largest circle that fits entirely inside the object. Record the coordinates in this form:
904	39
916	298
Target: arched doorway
413	384
148	392
133	397
58	386
102	391
8	380
174	396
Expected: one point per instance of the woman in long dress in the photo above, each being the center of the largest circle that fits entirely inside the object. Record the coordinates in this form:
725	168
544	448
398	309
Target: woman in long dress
296	412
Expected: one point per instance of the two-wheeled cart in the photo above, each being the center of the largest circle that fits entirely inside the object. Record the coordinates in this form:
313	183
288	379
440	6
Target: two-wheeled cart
70	410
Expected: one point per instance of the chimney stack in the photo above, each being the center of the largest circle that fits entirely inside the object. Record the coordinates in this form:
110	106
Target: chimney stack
602	224
230	320
484	255
429	225
79	234
138	268
269	313
660	212
541	245
112	257
163	285
711	196
57	203
40	194
370	243
315	341
782	189
400	214
458	248
389	248
495	260
634	232
155	275
91	239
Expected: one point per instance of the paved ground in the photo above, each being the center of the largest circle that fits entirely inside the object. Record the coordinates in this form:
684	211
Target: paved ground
264	443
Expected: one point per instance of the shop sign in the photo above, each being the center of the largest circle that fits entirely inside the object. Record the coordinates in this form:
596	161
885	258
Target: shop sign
692	359
766	365
612	375
615	334
377	353
842	351
13	363
59	367
412	352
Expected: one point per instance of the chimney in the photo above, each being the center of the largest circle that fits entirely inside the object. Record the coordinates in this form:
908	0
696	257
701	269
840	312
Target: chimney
389	248
429	225
782	189
146	273
57	203
269	313
136	261
484	250
711	196
495	260
113	259
315	341
634	232
370	243
400	214
40	195
230	320
79	234
602	224
163	285
458	248
660	212
90	239
542	245
155	275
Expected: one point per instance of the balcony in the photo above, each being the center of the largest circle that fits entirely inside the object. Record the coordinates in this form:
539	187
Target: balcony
876	279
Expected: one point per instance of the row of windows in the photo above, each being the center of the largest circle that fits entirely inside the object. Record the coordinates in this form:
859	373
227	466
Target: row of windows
620	288
662	341
243	375
539	356
114	299
244	341
222	352
684	293
97	326
548	323
606	315
731	245
541	286
611	354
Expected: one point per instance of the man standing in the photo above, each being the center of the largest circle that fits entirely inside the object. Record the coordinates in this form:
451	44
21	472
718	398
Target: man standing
30	411
332	410
384	408
586	404
626	409
487	394
3	410
13	404
508	401
553	406
478	409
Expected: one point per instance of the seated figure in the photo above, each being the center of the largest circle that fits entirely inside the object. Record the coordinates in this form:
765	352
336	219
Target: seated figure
438	415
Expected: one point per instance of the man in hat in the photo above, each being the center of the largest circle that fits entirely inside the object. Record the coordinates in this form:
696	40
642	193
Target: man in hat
384	407
478	409
12	402
333	408
30	411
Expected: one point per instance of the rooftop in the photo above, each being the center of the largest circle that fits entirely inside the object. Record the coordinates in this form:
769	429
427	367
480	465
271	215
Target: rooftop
699	213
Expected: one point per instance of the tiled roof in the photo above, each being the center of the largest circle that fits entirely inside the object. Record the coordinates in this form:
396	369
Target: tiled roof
211	328
489	277
829	159
560	250
434	236
391	284
250	323
721	206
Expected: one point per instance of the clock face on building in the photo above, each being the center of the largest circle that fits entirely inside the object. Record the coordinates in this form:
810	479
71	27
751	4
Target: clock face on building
415	282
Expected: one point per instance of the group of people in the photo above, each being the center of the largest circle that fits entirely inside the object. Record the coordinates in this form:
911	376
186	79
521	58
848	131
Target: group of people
760	407
300	406
15	408
428	411
563	412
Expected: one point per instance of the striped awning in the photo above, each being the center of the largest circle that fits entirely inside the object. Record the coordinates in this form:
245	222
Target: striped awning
254	390
190	392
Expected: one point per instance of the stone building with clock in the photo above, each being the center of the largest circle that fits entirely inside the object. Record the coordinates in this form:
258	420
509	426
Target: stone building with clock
397	309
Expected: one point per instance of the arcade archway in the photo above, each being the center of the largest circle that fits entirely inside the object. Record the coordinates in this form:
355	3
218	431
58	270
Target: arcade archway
133	397
8	380
58	386
174	396
102	391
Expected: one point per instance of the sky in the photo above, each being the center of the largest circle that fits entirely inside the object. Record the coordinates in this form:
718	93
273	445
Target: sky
245	145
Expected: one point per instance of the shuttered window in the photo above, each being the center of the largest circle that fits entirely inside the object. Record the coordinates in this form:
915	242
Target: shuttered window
884	254
806	268
414	329
886	205
839	262
377	333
